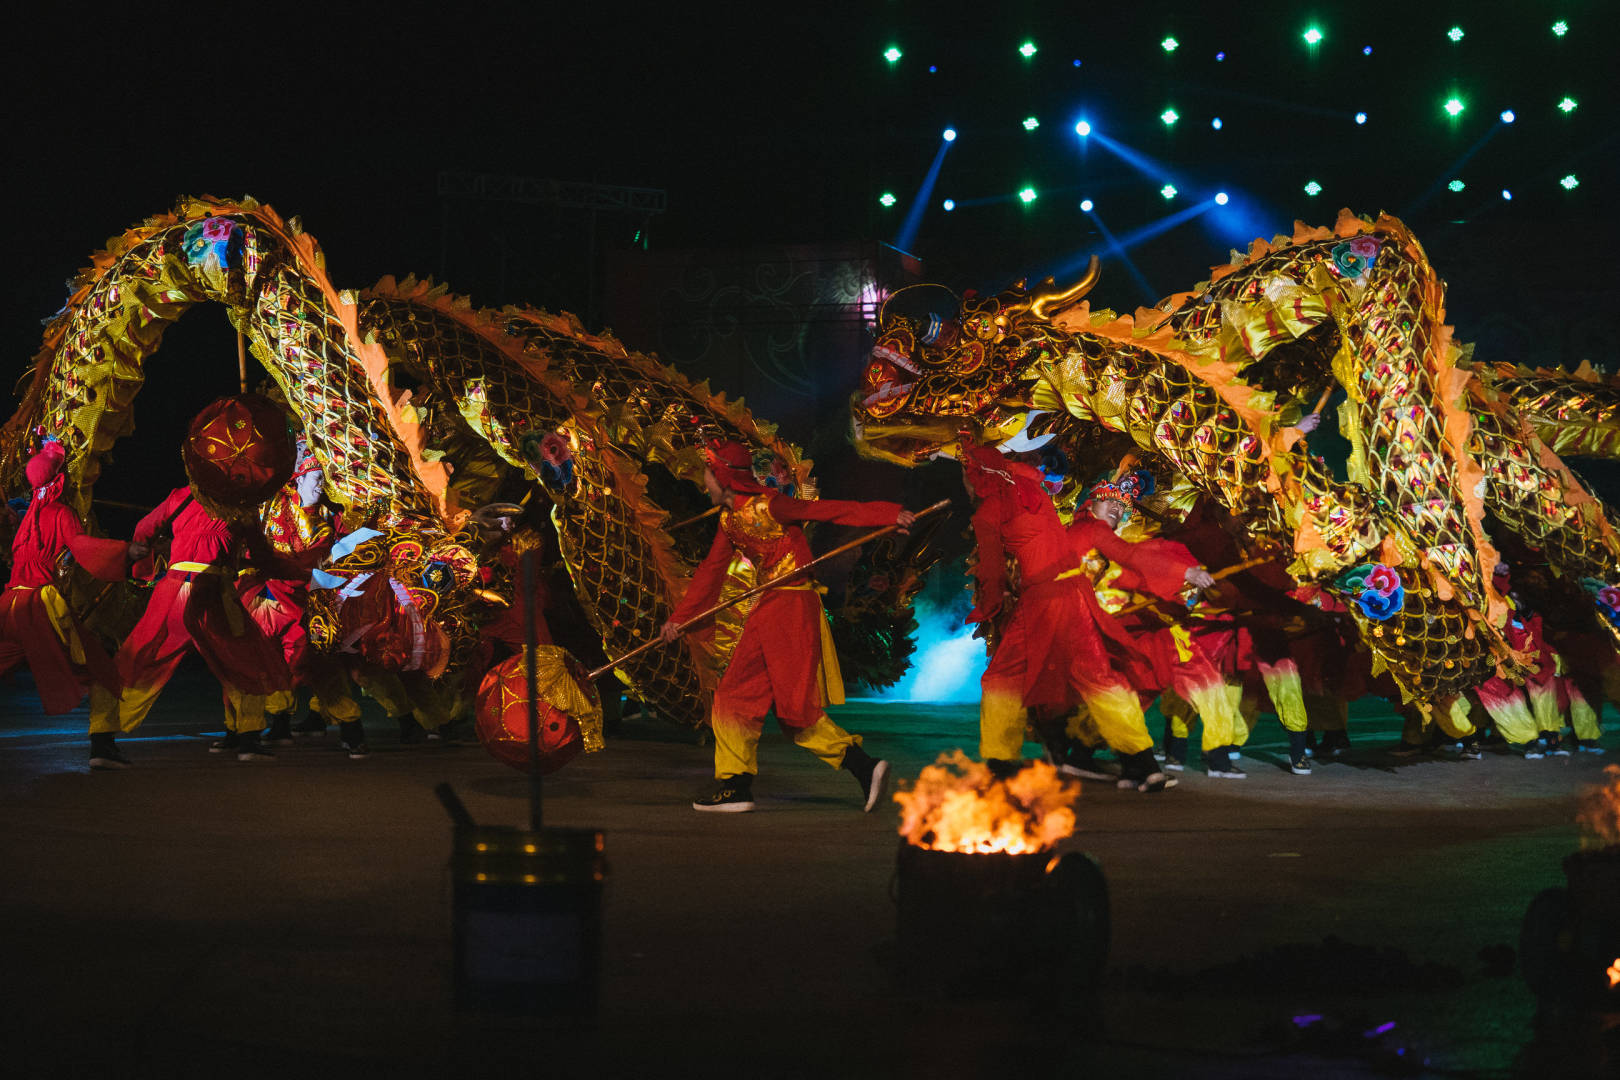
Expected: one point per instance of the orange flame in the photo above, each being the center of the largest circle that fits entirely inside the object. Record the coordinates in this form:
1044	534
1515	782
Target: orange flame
1614	973
958	804
1600	812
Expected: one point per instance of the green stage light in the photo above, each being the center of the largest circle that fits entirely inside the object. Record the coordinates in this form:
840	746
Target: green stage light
1030	123
1169	44
1567	105
1455	34
1168	191
1312	36
1028	195
1313	188
892	54
1456	185
887	199
1570	183
1027	49
1560	28
1454	107
1169	116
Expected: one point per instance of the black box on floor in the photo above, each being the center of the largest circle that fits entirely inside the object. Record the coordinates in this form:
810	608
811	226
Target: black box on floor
528	919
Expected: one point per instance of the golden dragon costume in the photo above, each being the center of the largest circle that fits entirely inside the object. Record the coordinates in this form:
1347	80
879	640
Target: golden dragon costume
1205	389
417	407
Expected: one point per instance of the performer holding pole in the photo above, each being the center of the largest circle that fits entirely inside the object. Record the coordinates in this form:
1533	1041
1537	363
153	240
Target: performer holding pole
784	656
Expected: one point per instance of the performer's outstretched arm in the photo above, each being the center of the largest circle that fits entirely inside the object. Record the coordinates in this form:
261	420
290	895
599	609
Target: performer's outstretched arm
704	589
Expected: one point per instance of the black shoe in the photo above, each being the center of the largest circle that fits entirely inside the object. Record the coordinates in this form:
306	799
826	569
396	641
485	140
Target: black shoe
872	774
249	748
1554	745
1218	764
1530	751
1175	753
1334	743
1081	760
1471	750
352	737
727	795
1139	772
1002	768
227	745
1299	754
279	731
312	724
444	735
410	732
104	753
1589	746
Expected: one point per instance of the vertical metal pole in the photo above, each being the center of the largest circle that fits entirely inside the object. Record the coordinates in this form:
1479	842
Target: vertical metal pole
241	359
532	687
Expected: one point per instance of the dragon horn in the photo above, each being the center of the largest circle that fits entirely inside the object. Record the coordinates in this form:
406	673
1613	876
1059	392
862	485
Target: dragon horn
1046	304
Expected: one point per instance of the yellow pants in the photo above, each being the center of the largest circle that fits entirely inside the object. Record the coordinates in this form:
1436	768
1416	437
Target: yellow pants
1113	715
736	743
1287	693
1582	717
1220	707
1513	718
244	712
421	702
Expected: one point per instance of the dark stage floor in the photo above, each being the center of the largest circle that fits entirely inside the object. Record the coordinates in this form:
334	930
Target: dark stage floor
198	917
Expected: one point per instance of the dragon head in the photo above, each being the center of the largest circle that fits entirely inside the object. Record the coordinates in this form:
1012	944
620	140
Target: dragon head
943	363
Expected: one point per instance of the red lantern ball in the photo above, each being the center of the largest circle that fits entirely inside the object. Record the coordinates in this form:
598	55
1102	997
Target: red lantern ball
238	454
503	714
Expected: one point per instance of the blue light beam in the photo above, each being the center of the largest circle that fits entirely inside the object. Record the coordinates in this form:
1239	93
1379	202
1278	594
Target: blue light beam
919	204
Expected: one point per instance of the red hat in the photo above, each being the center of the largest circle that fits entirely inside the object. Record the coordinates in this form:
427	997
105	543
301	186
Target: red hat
733	465
238	454
43	466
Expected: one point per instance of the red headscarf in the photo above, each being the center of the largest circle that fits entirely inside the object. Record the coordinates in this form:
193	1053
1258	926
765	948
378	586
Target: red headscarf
733	465
44	466
991	474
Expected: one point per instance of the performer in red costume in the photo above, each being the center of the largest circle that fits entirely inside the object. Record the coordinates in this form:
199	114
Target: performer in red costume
783	657
299	529
195	606
1051	655
35	622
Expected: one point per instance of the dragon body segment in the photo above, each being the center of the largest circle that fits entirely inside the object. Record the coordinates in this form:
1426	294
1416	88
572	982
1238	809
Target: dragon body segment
417	406
1206	388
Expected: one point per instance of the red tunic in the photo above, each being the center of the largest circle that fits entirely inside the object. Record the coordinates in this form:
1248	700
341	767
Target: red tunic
26	629
1052	650
196	598
1157	567
777	659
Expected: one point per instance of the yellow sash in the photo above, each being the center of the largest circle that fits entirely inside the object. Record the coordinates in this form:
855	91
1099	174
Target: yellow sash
832	677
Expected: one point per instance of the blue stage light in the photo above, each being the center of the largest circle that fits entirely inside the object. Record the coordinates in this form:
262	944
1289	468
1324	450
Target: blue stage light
1361	118
1220	56
1507	116
1086	204
1506	194
949	204
1082	129
1220	198
1216	123
950	135
1366	50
